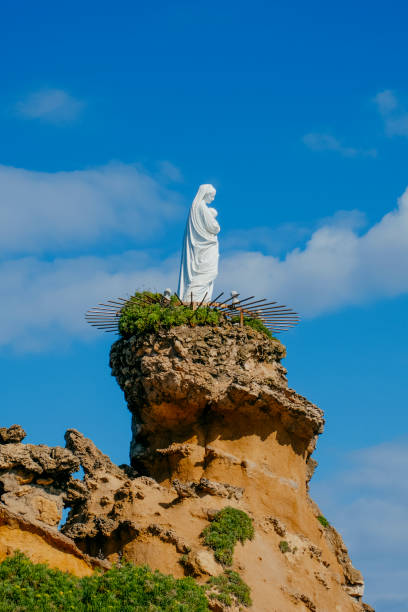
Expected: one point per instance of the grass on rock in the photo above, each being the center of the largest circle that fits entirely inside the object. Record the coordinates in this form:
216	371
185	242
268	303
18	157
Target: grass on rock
255	324
323	521
25	586
284	546
228	527
148	312
228	586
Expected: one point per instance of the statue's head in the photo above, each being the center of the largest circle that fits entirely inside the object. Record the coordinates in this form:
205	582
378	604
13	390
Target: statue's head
207	193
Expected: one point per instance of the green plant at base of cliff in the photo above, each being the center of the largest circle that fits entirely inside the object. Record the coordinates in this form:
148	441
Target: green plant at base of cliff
323	520
228	586
284	546
255	324
148	312
228	527
25	586
28	586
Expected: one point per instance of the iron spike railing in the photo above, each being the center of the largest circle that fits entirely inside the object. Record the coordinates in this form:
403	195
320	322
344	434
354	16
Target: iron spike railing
276	317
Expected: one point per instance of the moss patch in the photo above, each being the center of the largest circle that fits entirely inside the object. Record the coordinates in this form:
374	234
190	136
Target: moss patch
228	527
25	586
229	587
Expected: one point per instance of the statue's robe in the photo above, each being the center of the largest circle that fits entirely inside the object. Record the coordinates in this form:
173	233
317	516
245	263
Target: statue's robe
199	259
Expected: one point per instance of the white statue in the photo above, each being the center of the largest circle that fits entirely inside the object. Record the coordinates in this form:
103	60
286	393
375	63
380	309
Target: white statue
199	257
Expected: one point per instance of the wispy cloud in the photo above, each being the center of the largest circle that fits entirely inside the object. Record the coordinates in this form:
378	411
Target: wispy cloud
43	294
338	266
323	141
170	171
43	211
367	502
53	105
394	114
42	302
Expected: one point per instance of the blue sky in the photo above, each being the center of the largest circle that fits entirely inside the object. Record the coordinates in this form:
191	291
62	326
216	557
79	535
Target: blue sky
111	115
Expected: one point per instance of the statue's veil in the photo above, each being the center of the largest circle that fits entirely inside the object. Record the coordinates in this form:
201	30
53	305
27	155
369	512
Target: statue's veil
199	259
201	219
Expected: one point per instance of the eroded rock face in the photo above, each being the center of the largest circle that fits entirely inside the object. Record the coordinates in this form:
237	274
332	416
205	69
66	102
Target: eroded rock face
214	425
43	544
189	380
12	434
34	479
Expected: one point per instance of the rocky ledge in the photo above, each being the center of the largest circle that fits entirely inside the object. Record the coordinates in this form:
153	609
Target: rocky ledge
189	379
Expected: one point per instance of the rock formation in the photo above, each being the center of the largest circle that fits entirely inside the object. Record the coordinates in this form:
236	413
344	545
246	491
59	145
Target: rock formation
214	425
35	485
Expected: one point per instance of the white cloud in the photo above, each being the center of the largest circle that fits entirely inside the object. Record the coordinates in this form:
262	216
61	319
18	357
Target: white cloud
367	503
338	266
42	303
395	116
53	105
320	141
170	171
42	211
386	101
43	296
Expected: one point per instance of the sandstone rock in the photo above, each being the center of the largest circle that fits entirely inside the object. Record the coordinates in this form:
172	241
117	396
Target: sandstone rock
223	370
278	526
201	562
34	479
214	425
43	544
12	434
212	415
220	488
38	459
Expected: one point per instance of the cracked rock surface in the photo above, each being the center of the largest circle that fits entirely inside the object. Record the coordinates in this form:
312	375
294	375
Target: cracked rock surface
185	376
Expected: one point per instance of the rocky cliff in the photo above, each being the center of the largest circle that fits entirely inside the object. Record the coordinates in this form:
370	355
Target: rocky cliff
214	425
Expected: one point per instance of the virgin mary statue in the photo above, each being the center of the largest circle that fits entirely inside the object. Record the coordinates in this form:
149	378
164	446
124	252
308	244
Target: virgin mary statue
199	257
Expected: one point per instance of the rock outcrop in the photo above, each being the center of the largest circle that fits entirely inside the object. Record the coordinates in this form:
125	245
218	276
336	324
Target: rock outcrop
35	484
193	382
214	425
43	544
35	479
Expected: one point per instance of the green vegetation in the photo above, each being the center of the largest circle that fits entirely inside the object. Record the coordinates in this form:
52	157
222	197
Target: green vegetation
284	546
26	587
228	527
227	587
323	521
255	324
147	312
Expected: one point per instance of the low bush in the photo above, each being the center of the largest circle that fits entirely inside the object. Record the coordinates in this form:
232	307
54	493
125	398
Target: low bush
27	587
284	546
228	527
147	312
227	587
323	520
